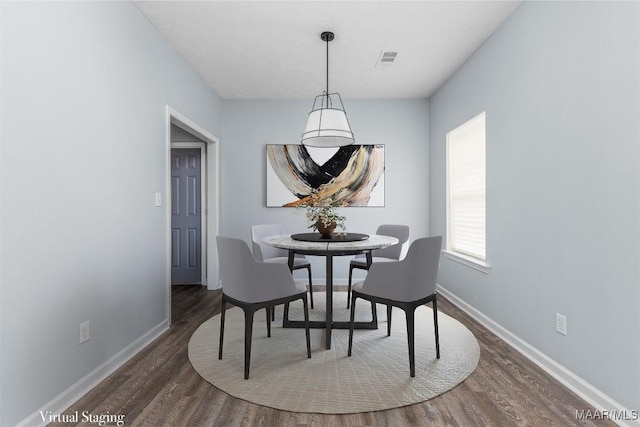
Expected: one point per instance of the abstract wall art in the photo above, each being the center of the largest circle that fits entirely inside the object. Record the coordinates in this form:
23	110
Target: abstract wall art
349	176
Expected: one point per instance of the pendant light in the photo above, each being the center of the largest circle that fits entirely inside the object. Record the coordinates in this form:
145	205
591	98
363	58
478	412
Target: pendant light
327	125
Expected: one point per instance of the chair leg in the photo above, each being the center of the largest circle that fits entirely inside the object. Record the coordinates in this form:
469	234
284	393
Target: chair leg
248	331
410	313
435	325
222	315
374	314
285	313
268	309
389	307
306	326
310	286
273	313
349	287
351	322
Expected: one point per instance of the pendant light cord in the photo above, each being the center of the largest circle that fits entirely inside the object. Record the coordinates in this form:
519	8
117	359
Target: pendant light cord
327	67
327	36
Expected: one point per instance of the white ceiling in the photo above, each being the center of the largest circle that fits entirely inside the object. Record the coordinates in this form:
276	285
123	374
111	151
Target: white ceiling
272	49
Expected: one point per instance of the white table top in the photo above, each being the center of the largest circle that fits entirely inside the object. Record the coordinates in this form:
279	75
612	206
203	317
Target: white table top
373	242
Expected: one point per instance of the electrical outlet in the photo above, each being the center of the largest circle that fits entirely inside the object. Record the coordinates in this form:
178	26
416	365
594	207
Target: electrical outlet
84	332
561	324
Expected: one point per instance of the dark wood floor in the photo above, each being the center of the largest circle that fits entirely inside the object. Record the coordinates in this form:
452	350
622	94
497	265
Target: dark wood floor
158	387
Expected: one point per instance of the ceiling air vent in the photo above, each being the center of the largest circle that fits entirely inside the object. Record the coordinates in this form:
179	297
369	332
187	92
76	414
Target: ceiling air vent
386	58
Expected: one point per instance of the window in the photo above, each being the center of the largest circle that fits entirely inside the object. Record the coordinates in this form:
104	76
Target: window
466	193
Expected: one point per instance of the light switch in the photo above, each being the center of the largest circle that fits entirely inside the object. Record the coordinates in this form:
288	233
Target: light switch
158	199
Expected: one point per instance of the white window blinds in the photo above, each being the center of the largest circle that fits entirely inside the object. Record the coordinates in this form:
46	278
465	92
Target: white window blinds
466	190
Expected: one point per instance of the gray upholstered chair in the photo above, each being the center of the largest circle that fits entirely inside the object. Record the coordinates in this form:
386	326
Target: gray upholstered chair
253	285
390	253
266	253
406	284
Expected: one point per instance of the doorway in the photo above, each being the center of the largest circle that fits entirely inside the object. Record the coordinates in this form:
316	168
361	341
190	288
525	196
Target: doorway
185	135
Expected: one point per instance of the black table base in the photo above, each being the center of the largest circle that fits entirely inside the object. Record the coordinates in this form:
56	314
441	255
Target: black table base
330	323
328	248
321	324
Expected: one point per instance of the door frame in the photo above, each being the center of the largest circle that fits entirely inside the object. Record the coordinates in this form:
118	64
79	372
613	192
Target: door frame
210	202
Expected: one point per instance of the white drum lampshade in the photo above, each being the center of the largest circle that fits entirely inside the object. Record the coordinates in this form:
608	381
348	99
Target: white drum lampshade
327	127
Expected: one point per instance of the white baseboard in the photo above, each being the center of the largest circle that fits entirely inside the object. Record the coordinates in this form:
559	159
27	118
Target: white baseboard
600	401
64	400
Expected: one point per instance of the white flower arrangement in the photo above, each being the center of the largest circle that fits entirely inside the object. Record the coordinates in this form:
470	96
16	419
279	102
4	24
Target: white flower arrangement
325	210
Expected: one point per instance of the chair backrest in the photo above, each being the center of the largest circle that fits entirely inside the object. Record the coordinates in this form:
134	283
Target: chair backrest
262	251
410	279
401	232
248	280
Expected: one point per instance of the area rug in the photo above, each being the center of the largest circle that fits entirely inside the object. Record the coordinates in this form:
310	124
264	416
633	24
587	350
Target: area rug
375	378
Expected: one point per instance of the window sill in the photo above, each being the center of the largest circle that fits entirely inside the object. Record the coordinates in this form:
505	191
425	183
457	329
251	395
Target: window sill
468	261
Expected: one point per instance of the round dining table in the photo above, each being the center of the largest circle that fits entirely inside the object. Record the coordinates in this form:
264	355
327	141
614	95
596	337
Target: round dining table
338	245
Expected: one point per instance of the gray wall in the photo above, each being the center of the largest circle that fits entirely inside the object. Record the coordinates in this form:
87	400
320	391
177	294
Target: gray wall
401	125
180	135
84	87
560	84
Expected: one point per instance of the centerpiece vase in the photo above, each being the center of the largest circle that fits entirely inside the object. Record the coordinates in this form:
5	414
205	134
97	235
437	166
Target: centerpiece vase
325	231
